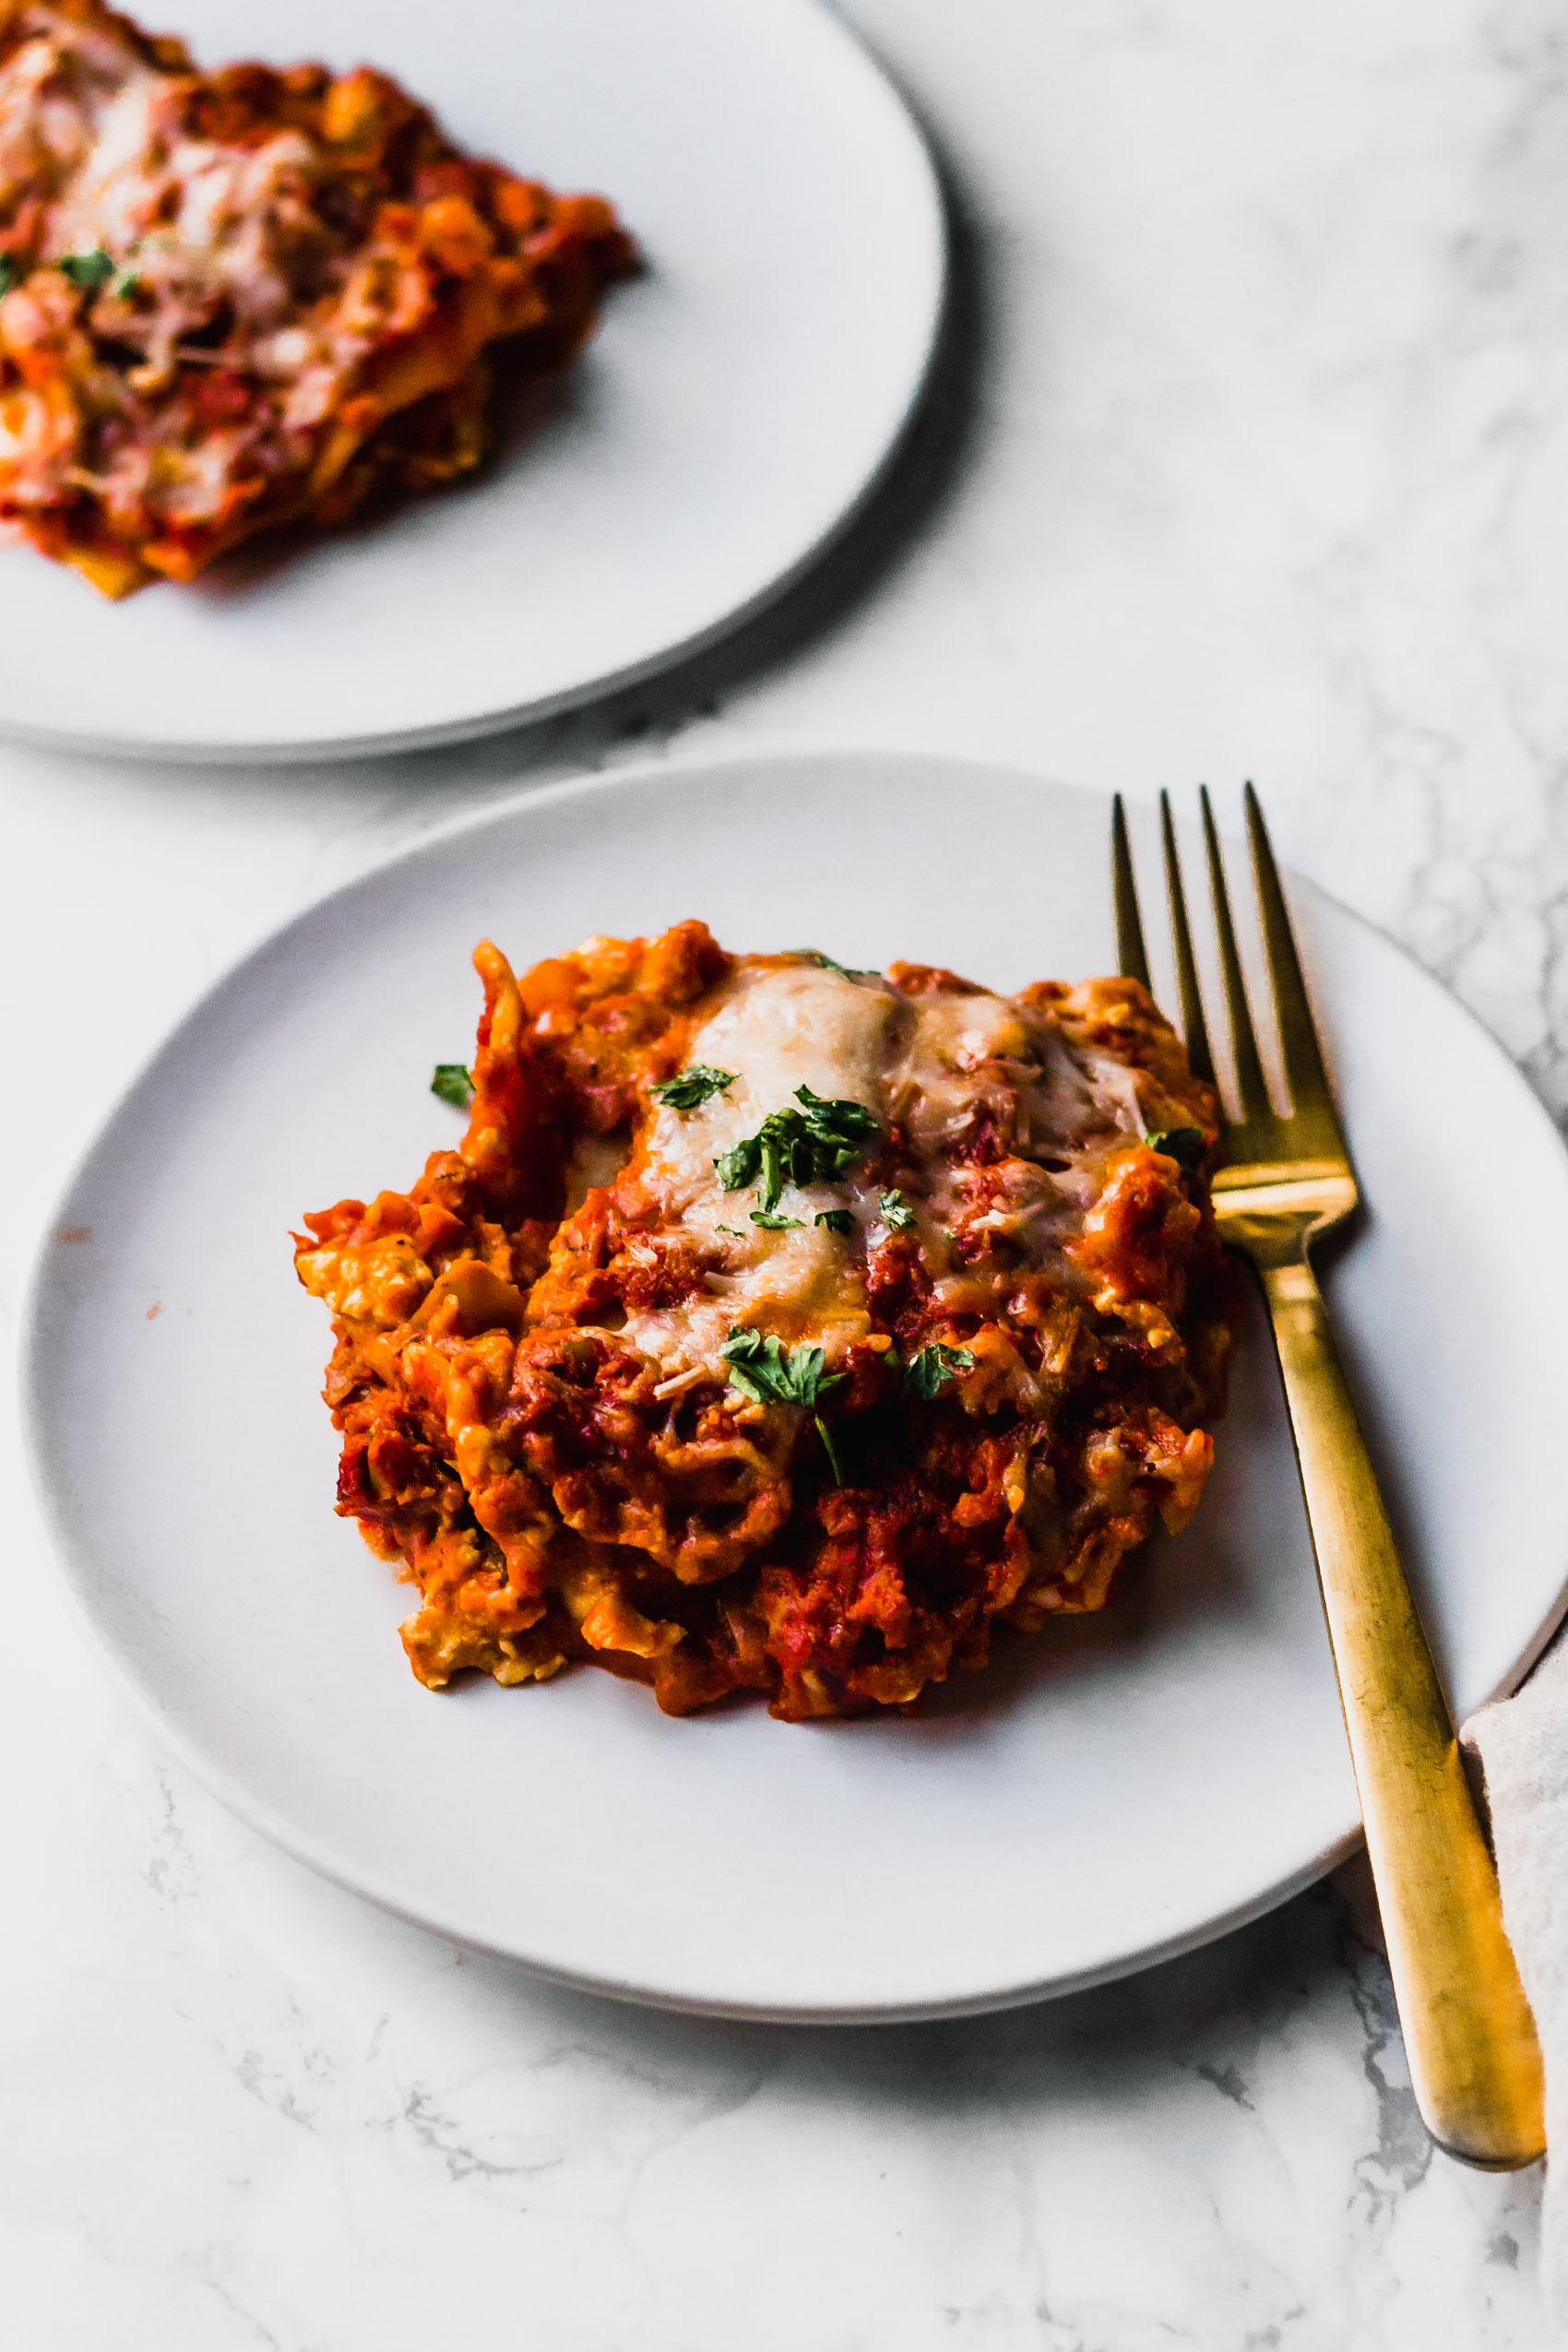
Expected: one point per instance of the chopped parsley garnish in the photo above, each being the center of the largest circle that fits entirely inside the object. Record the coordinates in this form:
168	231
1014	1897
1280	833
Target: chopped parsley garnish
1184	1145
127	284
774	1224
9	274
739	1164
765	1370
453	1084
837	1220
694	1086
924	1373
829	1449
812	1145
770	1373
88	270
829	964
897	1213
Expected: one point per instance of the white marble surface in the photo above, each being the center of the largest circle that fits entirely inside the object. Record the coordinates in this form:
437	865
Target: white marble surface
1253	460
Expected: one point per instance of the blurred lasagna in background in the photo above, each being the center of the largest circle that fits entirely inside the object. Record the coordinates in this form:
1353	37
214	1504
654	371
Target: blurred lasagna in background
237	300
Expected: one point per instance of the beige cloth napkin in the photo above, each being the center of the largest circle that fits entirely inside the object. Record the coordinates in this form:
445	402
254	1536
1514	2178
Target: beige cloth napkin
1523	1745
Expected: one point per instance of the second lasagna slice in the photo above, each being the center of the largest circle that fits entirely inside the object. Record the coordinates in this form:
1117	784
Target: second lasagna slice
242	299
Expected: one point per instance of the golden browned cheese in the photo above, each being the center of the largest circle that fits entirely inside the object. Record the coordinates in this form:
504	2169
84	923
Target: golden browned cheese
902	1320
236	300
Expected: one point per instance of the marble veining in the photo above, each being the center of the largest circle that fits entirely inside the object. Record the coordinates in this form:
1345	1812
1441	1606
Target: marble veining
1249	458
263	2114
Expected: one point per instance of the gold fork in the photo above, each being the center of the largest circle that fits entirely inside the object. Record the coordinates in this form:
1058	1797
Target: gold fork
1475	2062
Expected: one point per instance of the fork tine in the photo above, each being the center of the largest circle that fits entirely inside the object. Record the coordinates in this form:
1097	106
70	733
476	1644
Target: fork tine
1251	1084
1132	959
1196	1028
1304	1073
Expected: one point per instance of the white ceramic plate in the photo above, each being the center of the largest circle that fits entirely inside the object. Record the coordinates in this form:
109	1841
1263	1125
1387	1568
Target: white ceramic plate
737	404
1120	1789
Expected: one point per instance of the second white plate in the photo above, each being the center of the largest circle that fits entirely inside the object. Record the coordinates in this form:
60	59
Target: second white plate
1118	1788
735	407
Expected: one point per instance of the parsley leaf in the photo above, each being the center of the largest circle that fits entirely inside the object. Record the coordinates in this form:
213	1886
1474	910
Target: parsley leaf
770	1373
88	270
453	1084
829	1449
127	284
835	1123
772	1224
1184	1145
9	274
694	1086
924	1373
897	1213
828	964
739	1165
811	1146
837	1220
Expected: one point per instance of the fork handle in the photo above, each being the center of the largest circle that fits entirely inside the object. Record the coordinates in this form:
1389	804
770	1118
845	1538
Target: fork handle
1475	2061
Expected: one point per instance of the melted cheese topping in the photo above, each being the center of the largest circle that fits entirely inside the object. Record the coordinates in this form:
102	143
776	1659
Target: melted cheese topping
778	1030
929	1067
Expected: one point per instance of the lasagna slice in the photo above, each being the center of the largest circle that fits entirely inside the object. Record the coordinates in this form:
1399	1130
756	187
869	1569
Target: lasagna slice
779	1327
237	300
